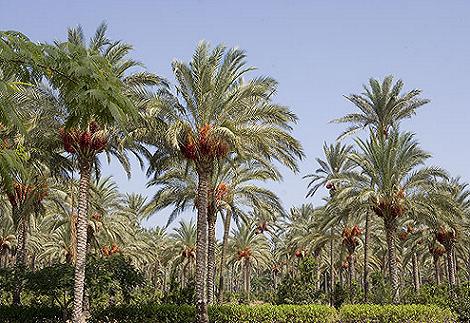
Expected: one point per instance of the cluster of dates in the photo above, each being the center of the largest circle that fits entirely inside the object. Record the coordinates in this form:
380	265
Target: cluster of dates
110	250
244	253
206	145
90	141
350	237
393	208
22	192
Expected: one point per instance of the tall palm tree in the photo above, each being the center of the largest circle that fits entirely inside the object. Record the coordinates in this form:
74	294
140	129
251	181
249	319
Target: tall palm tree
443	209
232	188
382	106
95	71
236	190
336	163
219	114
390	175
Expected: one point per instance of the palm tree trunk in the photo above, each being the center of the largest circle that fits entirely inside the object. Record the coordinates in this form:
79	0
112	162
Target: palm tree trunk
332	267
414	262
341	280
274	281
317	269
390	231
437	270
82	225
247	285
456	273
211	219
450	264
366	259
204	174
228	217
351	271
20	258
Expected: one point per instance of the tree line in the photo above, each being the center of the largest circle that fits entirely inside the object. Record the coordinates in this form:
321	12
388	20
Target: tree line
209	142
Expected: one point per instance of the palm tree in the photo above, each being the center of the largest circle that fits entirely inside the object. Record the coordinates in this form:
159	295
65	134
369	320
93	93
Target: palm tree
390	174
235	190
232	187
444	209
249	248
382	106
7	240
336	163
220	114
95	71
184	238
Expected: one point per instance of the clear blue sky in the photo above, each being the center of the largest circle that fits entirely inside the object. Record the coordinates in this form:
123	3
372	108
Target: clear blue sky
317	50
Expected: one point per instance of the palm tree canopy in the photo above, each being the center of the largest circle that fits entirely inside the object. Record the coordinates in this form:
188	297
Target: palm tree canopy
382	106
218	112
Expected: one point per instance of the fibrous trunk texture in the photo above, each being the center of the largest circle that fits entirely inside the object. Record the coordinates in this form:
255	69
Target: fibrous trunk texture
437	270
247	279
366	259
228	217
211	219
450	264
201	245
82	225
390	230
351	271
414	262
332	267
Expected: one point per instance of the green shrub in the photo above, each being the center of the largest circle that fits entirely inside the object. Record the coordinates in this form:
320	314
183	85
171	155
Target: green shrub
428	294
170	313
219	314
272	314
302	287
460	303
30	314
165	313
395	313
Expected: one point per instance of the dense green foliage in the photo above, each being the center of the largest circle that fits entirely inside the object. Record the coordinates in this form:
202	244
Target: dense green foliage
395	314
170	313
392	228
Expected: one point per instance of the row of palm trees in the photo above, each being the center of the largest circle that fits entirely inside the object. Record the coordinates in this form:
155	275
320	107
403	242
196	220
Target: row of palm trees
383	178
70	101
209	142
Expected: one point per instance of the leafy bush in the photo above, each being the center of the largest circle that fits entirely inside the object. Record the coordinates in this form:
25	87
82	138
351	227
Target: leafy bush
171	313
111	278
30	314
180	295
165	313
395	313
460	303
54	282
272	314
302	288
219	313
380	290
427	294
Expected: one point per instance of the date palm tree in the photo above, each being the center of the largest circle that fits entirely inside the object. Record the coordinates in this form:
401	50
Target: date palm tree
184	239
219	113
249	249
232	188
336	162
92	91
382	106
391	173
237	190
